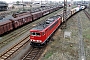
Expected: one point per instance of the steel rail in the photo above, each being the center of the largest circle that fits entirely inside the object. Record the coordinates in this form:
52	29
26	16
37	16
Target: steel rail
87	14
7	54
81	40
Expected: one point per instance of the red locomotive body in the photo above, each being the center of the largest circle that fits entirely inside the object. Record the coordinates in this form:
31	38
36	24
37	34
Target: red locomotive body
40	34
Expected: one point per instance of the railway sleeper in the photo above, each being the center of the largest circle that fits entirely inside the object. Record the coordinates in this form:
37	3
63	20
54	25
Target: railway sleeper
9	53
1	59
6	55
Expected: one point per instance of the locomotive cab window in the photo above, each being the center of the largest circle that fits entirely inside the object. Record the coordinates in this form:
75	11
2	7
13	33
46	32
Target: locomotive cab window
35	34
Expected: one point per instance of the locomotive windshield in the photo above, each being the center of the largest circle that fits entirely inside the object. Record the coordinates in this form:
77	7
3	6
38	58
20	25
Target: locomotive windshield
35	34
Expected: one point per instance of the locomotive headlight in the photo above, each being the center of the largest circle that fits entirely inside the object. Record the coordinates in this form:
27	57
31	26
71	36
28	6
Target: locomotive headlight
36	40
39	41
31	40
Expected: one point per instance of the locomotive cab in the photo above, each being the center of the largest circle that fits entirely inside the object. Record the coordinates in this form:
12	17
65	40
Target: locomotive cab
36	38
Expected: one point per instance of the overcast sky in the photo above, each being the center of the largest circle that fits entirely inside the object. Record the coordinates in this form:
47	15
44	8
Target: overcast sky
10	1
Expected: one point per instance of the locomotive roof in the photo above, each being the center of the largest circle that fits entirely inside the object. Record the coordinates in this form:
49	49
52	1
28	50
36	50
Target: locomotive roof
46	23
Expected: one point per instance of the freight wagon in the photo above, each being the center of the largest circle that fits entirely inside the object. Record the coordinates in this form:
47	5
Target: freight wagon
5	26
16	20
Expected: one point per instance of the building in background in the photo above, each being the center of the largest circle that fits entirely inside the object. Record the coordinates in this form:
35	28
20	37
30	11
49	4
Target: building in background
3	6
32	1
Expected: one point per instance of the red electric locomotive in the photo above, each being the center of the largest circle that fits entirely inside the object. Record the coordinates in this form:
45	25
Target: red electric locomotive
40	33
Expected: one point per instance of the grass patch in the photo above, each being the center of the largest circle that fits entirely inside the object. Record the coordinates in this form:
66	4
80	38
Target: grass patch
48	54
87	34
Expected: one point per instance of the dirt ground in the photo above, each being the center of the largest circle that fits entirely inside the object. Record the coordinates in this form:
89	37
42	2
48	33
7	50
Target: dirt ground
86	35
67	48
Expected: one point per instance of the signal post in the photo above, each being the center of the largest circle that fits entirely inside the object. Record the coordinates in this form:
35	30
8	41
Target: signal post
64	14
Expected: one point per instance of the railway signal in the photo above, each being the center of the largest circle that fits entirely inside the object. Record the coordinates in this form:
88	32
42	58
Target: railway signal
65	10
65	13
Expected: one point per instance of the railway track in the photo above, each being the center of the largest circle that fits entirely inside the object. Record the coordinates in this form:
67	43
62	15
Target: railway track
87	14
12	36
34	53
81	41
7	54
